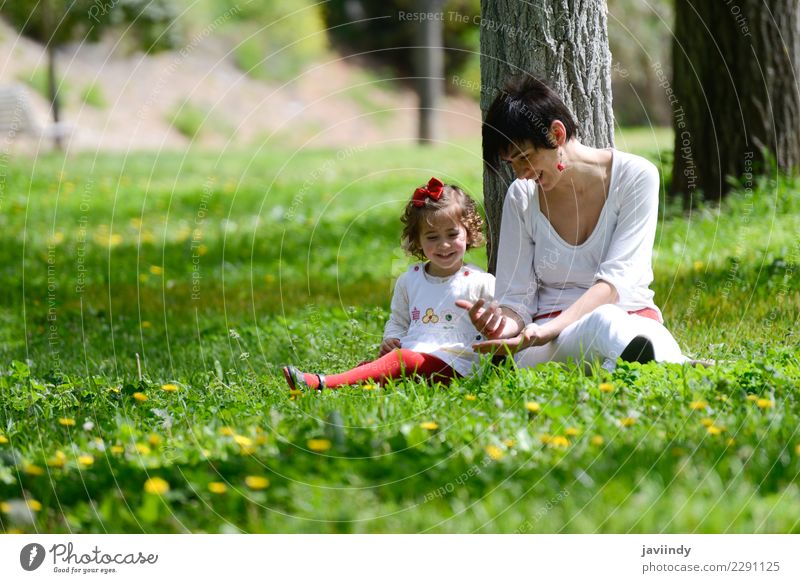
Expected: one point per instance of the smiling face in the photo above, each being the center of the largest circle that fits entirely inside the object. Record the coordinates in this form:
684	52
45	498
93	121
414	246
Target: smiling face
538	164
444	242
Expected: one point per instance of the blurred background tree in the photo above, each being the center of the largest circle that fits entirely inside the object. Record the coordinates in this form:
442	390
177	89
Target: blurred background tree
147	23
736	86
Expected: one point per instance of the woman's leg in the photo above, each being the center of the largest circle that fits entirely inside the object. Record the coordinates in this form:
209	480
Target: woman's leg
392	365
603	335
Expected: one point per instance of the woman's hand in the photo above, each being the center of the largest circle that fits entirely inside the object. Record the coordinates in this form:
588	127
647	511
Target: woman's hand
489	321
531	335
388	345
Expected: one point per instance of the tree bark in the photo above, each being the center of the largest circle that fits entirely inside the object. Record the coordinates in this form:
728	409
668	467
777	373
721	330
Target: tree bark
565	43
430	71
736	105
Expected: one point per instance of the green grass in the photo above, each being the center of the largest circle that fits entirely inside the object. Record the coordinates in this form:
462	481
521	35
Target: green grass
216	270
93	95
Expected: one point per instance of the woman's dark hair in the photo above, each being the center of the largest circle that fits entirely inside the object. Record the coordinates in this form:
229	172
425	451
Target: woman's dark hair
523	112
453	203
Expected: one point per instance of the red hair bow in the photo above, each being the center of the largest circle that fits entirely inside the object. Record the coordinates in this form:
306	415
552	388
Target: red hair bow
432	190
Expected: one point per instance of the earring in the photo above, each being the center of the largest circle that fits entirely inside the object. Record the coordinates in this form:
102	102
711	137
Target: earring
560	166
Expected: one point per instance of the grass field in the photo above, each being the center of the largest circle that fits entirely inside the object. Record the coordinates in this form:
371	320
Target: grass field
216	270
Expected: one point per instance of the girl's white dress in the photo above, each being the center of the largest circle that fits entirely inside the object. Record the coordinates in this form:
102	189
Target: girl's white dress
425	318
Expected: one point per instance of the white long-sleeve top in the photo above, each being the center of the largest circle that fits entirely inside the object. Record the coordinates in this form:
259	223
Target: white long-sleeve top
426	319
539	273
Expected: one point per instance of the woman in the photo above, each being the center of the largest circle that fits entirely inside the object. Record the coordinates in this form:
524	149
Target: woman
576	241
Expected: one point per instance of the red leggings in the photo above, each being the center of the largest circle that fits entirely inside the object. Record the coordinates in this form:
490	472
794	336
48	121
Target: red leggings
392	365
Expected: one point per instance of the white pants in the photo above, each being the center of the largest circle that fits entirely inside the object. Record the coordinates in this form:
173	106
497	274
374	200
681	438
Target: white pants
602	335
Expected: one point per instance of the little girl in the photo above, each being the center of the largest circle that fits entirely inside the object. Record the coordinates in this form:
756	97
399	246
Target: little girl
427	334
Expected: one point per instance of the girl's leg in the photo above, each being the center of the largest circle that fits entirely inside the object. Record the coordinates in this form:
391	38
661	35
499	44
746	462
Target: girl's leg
393	365
602	335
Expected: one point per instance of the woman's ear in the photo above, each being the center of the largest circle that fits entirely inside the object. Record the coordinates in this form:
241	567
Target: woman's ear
558	133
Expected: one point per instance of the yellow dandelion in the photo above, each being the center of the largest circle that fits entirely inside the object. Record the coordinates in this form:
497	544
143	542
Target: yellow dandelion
66	422
627	421
606	388
318	444
598	440
697	265
85	460
142	449
217	487
261	439
572	431
370	387
707	422
156	269
146	324
5	507
429	425
57	461
764	404
509	442
117	449
141	397
714	430
242	440
731	441
698	405
154	439
752	398
156	486
227	431
545	438
471	398
32	470
494	452
3	439
113	389
533	407
169	387
34	505
115	240
256	482
558	441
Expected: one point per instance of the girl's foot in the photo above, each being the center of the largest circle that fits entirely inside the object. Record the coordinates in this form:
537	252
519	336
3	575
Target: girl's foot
298	381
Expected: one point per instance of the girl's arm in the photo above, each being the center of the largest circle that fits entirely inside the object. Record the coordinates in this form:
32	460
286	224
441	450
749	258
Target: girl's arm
399	319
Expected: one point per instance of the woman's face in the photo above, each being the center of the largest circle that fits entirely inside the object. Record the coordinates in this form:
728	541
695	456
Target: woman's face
538	164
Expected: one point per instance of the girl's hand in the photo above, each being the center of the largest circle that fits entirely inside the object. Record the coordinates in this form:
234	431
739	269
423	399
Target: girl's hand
489	321
531	335
388	345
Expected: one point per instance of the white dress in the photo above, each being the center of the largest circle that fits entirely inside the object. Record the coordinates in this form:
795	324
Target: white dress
539	273
426	320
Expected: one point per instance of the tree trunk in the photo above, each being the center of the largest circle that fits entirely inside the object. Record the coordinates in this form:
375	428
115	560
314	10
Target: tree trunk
736	104
430	70
565	43
52	83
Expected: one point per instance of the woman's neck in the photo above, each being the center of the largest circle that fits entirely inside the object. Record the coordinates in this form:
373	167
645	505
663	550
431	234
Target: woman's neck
585	168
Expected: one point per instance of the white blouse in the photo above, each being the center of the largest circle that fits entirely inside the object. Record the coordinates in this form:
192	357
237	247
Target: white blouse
539	273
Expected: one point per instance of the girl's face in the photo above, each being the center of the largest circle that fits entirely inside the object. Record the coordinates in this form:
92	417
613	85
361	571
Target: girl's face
444	242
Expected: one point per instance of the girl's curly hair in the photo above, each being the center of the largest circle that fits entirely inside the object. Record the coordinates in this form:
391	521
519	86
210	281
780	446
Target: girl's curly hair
453	203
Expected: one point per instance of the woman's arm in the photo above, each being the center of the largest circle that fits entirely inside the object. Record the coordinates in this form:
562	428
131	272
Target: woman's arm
516	289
